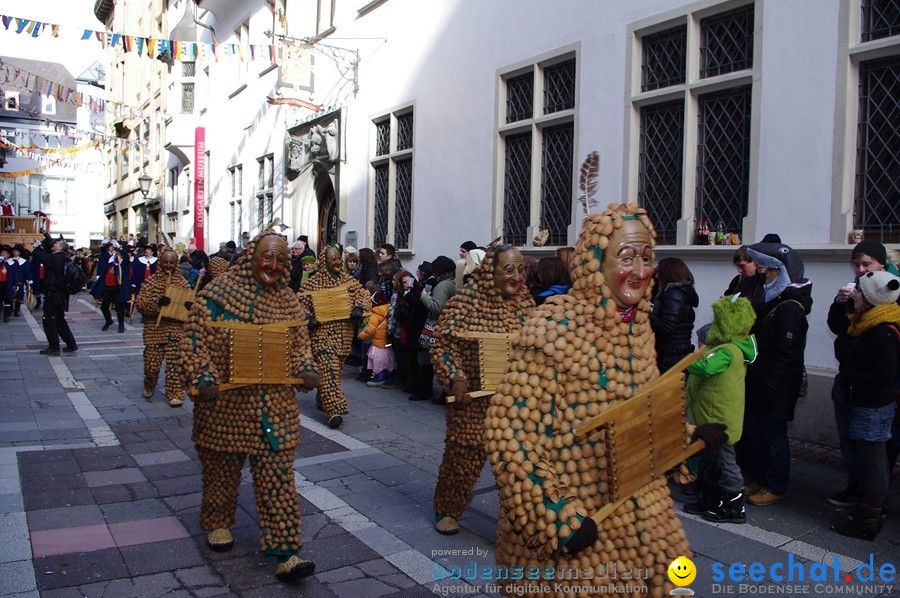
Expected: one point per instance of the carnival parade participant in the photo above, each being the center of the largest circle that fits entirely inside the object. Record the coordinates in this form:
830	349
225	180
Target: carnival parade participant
331	340
144	267
161	340
575	355
113	284
259	421
495	300
17	276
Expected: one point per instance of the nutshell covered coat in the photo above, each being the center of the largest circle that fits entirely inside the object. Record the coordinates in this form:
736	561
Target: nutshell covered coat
575	357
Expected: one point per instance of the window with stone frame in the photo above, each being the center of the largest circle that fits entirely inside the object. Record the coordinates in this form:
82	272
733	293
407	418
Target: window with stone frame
536	169
709	83
265	194
875	54
391	178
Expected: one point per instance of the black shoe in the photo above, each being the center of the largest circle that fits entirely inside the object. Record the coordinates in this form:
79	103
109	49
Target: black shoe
420	397
49	351
862	522
17	314
365	376
106	326
845	498
335	421
121	327
729	510
69	349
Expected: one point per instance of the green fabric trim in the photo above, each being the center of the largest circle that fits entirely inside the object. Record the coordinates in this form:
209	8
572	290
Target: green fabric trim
629	217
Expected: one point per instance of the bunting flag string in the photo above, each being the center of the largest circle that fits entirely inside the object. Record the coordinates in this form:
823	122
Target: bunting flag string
182	51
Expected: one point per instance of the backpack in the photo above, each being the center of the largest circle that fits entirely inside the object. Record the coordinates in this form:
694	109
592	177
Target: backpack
74	278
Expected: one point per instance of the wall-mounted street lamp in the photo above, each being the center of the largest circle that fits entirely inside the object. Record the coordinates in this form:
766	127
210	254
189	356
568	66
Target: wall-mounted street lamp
145	181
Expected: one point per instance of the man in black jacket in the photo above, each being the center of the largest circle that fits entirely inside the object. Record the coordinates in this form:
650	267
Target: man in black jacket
53	254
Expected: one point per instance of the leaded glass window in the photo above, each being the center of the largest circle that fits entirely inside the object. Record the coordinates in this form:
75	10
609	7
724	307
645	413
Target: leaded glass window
723	156
880	19
519	97
663	58
559	87
381	204
660	167
726	42
405	131
382	137
517	189
403	209
877	194
556	182
187	97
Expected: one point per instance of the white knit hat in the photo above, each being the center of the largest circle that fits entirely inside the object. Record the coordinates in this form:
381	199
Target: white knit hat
879	288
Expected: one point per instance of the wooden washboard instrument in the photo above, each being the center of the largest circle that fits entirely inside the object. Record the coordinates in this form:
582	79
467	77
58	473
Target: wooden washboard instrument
493	361
176	310
646	435
258	354
330	304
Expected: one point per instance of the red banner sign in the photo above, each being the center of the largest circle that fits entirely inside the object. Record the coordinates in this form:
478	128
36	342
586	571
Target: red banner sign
199	186
295	103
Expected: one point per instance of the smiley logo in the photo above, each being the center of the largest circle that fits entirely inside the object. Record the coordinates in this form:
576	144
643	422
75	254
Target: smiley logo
682	571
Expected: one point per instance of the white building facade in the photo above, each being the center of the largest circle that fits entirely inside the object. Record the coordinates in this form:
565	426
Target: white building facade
425	124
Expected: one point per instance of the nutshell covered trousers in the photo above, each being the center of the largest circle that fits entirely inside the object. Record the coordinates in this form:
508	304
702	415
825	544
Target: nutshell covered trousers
277	501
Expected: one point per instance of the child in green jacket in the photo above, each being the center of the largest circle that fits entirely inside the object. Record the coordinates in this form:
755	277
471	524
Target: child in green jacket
715	394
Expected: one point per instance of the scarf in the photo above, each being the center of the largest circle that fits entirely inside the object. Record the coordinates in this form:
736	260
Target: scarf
874	316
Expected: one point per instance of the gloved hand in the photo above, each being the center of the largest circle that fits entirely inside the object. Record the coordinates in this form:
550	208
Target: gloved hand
115	244
460	389
310	381
584	537
356	315
163	301
188	304
207	393
713	435
313	324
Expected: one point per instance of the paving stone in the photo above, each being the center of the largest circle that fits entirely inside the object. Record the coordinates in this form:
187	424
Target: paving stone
248	571
47	469
161	457
377	568
16	577
159	584
11	503
380	540
213	591
50	499
376	499
150	508
70	540
373	462
202	576
80	569
400	474
171	470
130	533
185	501
38	483
107	463
399	580
340	574
307	587
161	556
64	517
337	551
361	587
124	492
128	475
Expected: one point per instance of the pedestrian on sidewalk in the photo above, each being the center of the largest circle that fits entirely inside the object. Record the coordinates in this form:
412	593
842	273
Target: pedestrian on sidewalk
54	254
259	421
161	340
380	358
715	394
869	375
867	256
495	300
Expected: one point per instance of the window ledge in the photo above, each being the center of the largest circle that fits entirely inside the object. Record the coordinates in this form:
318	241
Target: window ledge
241	88
370	6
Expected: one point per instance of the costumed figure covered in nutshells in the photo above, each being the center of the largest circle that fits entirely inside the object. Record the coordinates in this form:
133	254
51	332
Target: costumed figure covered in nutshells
261	421
331	340
495	300
576	355
161	340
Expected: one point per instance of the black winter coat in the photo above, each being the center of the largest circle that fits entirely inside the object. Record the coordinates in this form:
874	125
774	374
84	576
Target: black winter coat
839	322
869	372
773	380
672	320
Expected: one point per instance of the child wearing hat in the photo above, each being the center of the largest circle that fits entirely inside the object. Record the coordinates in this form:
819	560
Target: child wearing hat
869	375
715	394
